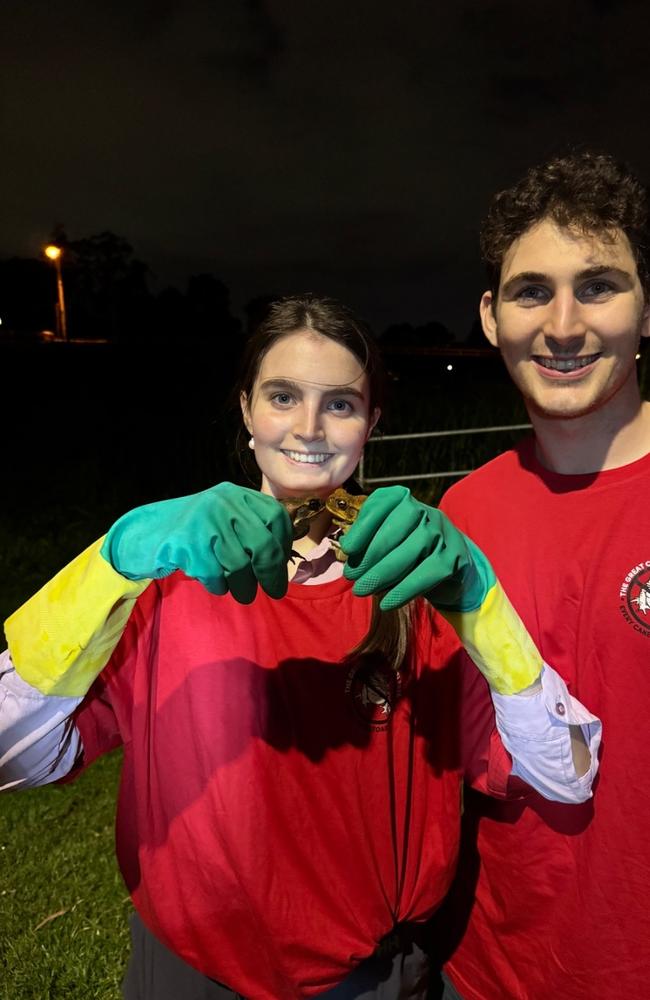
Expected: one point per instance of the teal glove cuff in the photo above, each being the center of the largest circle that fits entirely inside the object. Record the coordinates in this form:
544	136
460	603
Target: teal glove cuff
466	590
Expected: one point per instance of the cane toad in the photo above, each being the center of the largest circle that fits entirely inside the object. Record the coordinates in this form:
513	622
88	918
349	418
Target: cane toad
342	506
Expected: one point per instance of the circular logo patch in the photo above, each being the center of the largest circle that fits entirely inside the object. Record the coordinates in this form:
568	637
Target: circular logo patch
635	598
374	692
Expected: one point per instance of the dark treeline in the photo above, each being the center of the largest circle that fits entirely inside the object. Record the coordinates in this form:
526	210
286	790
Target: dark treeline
108	297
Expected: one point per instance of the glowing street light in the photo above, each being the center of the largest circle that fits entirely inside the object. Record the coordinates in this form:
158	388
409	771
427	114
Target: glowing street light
54	254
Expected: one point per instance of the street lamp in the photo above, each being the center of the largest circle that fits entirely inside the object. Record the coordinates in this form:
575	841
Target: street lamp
54	254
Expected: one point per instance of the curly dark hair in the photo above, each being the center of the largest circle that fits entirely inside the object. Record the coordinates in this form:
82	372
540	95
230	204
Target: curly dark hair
589	192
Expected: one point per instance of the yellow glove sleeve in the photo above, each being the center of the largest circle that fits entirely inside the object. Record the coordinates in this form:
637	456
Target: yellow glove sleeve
497	641
63	636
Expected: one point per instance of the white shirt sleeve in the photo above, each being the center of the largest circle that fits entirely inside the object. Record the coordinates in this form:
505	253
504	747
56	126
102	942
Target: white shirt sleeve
39	742
534	729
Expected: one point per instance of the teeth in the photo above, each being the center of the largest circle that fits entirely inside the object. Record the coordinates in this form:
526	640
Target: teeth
567	364
309	459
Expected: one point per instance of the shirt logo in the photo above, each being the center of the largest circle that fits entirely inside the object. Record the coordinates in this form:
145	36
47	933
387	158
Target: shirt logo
635	598
374	692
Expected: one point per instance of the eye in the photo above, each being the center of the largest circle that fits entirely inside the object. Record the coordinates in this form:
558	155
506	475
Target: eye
339	406
282	398
532	295
597	290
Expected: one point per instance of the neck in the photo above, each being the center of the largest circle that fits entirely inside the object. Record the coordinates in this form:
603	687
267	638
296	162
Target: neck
318	528
608	438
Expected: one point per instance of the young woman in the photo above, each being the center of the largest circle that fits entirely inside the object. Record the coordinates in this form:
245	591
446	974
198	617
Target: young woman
289	809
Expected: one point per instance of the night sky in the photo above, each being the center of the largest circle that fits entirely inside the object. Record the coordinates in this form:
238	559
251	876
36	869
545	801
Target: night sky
342	147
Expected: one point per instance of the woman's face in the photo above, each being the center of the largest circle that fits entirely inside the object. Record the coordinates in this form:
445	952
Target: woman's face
308	414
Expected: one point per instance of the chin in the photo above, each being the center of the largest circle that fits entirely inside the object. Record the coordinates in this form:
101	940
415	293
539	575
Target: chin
303	486
562	409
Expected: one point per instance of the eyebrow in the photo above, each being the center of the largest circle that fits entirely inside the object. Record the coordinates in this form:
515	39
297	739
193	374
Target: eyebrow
538	277
286	383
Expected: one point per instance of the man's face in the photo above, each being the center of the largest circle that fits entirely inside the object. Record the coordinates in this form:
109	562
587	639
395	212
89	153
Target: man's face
568	318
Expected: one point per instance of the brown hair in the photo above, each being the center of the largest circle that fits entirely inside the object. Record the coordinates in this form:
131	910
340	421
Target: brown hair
589	192
322	315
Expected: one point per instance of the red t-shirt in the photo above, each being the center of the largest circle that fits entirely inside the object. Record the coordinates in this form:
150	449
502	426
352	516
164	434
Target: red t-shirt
561	902
280	808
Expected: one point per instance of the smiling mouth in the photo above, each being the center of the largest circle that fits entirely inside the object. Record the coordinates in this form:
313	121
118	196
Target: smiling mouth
308	458
566	364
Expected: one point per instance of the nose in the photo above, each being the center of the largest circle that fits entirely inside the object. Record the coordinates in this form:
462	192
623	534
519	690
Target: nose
564	322
309	424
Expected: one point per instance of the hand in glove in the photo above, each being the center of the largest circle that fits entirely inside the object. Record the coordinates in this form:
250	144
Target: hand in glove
229	538
406	549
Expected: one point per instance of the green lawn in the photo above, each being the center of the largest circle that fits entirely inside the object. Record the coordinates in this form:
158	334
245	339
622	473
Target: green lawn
63	905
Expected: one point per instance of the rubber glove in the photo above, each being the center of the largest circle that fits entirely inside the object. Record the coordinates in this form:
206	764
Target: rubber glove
229	538
406	549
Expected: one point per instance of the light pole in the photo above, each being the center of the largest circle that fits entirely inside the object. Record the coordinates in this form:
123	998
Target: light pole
54	254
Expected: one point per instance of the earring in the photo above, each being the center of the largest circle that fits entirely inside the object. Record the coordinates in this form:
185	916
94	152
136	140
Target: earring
251	444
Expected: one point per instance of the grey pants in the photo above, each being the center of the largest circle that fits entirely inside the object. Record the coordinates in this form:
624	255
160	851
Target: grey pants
399	970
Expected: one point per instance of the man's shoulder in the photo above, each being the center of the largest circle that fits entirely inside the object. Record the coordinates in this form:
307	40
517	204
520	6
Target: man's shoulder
493	474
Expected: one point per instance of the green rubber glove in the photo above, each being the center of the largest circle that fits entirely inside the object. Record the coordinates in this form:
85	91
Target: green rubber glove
408	549
229	538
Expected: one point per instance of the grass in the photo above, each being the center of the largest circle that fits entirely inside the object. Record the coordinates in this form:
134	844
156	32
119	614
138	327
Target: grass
63	905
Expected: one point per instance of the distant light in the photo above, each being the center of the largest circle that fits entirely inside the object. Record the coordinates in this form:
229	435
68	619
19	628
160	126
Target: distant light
637	357
53	252
450	368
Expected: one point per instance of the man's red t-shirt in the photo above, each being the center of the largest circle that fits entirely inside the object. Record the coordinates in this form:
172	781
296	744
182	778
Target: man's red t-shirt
561	896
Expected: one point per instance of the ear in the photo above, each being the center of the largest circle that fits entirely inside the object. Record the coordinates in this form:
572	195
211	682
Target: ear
488	318
372	423
243	402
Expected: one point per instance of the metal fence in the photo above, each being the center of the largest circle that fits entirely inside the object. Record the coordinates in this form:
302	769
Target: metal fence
459	473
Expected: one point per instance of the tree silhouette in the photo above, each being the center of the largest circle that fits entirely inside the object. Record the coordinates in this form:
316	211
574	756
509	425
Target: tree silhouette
208	303
106	286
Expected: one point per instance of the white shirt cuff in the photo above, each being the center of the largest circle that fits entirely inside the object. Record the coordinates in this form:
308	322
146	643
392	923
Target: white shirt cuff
39	742
534	728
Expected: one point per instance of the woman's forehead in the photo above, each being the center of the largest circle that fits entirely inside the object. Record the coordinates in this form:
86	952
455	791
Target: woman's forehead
306	356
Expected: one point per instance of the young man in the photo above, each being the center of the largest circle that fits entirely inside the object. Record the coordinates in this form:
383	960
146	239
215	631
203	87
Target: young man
556	903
